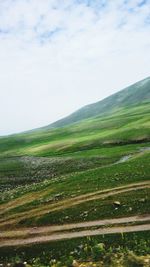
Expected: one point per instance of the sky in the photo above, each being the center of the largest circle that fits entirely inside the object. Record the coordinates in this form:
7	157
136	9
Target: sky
59	55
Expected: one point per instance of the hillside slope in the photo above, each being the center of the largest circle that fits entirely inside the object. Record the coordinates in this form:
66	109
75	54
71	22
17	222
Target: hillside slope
132	95
90	143
64	182
125	126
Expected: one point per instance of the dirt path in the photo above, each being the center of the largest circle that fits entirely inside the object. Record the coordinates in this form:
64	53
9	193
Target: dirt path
27	198
15	218
55	236
42	192
32	196
71	226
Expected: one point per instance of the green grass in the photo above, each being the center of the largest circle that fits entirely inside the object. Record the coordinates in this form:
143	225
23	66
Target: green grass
49	166
129	125
133	95
41	255
91	143
16	171
76	184
136	169
139	201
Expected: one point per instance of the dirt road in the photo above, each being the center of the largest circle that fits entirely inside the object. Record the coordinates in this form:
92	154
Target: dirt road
60	232
63	204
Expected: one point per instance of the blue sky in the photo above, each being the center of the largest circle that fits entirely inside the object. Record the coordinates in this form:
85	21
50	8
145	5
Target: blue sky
59	55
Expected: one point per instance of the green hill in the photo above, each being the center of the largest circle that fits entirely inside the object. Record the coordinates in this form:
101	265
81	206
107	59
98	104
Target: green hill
120	118
90	143
132	95
58	181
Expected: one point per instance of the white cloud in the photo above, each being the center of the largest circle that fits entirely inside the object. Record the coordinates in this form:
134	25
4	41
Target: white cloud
56	56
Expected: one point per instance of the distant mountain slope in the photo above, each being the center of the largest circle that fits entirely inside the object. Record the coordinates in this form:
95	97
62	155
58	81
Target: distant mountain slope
122	118
132	95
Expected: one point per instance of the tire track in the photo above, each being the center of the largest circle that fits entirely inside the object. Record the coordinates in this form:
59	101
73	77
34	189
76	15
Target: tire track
72	226
70	235
64	204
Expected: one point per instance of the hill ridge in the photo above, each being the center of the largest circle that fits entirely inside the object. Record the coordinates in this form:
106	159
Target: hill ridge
105	106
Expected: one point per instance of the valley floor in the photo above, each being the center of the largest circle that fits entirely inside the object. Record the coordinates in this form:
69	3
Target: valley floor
106	200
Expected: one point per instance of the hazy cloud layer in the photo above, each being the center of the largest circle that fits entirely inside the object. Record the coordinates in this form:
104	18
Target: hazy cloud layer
57	55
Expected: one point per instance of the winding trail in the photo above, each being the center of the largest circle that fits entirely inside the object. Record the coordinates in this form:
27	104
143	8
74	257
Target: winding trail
32	196
71	202
62	232
36	235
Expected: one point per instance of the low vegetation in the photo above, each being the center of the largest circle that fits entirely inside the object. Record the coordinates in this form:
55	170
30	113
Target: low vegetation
124	250
88	171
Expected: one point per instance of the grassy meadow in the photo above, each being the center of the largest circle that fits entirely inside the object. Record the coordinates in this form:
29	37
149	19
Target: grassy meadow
75	174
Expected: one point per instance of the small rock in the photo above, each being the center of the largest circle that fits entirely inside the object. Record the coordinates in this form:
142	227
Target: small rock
117	203
142	200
